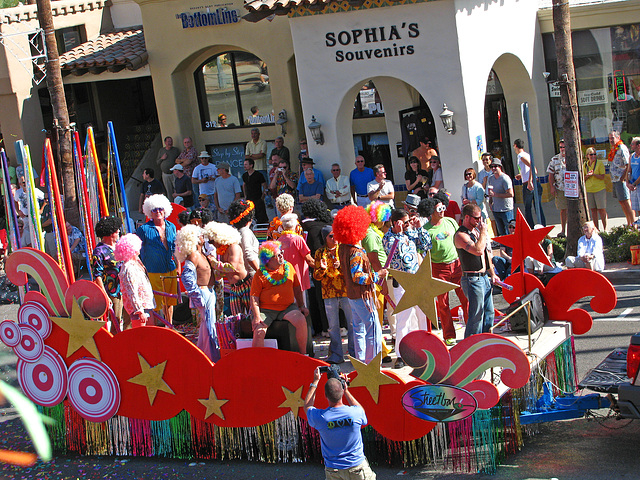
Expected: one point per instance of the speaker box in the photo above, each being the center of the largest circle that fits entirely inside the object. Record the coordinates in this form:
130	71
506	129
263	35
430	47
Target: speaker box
539	313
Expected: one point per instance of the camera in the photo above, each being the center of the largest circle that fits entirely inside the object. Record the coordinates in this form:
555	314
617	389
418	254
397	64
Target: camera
333	371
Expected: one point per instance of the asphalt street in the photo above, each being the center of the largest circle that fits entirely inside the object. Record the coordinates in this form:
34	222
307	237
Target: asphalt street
598	447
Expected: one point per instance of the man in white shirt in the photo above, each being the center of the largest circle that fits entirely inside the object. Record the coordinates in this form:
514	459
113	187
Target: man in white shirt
338	189
529	182
380	188
256	149
205	175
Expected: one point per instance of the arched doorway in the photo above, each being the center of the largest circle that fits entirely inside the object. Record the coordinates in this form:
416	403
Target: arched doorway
496	123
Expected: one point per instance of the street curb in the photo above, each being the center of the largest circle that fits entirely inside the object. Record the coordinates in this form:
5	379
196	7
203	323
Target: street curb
622	276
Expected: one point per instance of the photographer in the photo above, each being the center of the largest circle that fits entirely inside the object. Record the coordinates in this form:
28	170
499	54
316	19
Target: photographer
283	180
339	428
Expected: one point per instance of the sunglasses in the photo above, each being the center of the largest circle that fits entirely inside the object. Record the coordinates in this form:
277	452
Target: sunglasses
476	218
335	169
593	154
468	174
156	210
360	161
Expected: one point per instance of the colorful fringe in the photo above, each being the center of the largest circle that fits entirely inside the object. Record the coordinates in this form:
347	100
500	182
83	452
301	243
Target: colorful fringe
476	444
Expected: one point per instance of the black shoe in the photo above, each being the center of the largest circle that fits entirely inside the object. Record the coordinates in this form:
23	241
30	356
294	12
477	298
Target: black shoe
399	363
387	359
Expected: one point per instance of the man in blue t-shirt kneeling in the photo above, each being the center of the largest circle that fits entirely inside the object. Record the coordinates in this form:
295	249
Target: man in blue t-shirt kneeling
339	428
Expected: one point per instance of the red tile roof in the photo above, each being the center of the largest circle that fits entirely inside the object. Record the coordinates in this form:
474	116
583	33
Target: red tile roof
112	51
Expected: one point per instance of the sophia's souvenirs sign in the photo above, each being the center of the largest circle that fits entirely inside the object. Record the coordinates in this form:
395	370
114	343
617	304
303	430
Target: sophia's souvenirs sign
373	42
208	18
439	403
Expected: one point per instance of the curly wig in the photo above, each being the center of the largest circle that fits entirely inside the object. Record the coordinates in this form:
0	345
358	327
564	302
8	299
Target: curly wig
427	206
379	211
314	208
237	208
127	248
351	224
289	221
285	203
443	196
157	201
107	226
203	214
187	241
268	251
183	217
221	233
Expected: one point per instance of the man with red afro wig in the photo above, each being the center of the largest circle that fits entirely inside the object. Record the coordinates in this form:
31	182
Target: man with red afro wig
349	228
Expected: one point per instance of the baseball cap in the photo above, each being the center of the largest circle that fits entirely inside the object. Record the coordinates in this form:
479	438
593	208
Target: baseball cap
177	166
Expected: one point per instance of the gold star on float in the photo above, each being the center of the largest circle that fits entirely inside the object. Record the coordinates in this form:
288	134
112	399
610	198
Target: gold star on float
370	376
421	289
294	400
80	331
151	378
213	404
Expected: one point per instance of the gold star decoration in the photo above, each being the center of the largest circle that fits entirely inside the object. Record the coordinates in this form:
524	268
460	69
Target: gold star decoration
80	331
421	289
151	378
213	404
294	400
370	376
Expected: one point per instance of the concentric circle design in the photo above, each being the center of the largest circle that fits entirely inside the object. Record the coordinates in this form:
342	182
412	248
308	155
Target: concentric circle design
36	315
44	382
31	344
94	390
10	333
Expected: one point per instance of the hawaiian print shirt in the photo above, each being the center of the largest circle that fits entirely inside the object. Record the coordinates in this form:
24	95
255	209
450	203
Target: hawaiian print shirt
557	166
331	278
405	258
105	266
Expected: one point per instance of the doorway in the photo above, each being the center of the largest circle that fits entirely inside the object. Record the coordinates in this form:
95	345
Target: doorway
496	123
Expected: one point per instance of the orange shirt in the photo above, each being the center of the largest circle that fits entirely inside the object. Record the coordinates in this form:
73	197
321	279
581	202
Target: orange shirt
331	277
275	297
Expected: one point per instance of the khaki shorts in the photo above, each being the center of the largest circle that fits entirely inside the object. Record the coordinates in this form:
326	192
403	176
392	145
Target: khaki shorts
561	200
597	200
361	472
268	316
166	285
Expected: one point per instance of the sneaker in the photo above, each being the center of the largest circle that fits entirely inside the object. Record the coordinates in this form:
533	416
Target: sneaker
387	359
450	342
561	235
344	332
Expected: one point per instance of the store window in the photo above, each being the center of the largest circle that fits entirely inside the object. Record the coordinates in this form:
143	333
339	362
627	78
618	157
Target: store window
368	102
234	86
607	65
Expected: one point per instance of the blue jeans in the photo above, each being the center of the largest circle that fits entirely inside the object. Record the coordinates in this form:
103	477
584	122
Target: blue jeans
502	267
332	307
527	198
479	293
367	333
502	221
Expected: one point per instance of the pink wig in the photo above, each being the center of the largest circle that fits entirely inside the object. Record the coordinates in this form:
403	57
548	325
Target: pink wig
379	211
128	247
351	224
268	251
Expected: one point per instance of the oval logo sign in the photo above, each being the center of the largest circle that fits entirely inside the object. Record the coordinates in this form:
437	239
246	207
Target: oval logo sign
439	403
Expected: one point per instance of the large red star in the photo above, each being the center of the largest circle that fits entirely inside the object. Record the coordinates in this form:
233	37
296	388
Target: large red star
525	243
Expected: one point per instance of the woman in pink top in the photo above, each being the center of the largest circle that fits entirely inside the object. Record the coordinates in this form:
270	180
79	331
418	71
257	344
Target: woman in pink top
137	294
295	249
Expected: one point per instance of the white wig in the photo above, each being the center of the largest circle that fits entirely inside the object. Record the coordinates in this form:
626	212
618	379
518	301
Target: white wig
285	203
221	233
289	221
187	241
157	201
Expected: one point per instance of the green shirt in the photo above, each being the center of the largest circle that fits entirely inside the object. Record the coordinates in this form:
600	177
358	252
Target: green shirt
443	249
372	243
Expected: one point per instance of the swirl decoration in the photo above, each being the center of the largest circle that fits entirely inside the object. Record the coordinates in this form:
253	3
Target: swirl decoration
44	382
563	290
94	390
10	333
36	315
434	363
46	272
90	297
31	345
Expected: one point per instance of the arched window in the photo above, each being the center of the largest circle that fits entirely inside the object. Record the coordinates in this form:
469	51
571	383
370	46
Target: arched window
235	86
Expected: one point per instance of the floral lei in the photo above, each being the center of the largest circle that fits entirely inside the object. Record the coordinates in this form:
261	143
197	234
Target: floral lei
267	275
222	249
614	149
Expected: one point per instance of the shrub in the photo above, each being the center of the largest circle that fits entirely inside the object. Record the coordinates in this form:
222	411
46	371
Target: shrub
559	248
618	244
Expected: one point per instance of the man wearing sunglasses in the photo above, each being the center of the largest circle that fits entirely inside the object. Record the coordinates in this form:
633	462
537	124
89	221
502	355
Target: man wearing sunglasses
474	251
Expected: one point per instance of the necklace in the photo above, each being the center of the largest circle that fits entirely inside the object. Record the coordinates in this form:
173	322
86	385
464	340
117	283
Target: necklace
222	249
270	279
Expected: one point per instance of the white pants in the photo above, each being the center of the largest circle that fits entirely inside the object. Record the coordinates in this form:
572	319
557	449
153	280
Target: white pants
408	320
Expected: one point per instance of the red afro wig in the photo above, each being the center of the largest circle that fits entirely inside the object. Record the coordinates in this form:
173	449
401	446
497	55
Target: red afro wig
351	224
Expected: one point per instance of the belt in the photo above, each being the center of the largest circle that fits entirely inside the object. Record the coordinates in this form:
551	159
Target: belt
362	195
474	274
343	203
